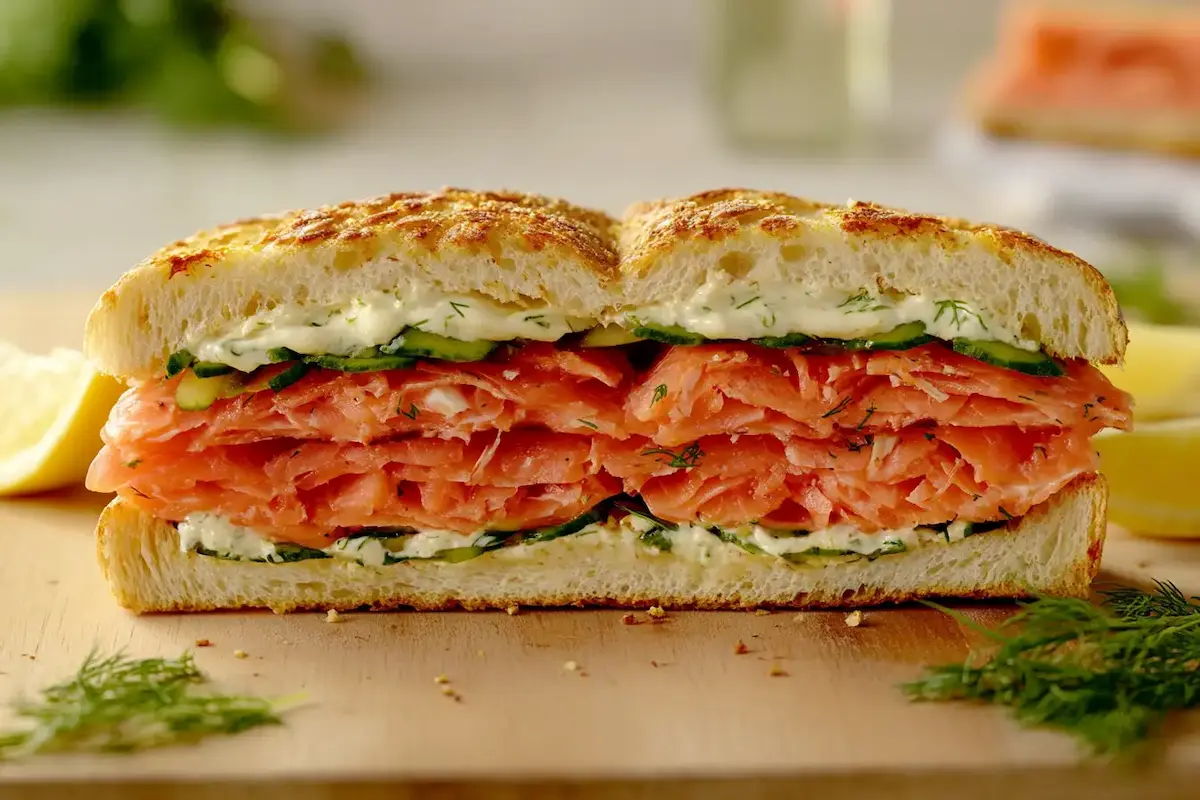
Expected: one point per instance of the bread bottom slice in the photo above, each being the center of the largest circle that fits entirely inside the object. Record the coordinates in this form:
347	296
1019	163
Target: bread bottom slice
1055	549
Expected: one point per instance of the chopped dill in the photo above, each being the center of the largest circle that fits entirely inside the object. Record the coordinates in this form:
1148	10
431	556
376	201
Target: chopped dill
1107	674
839	408
959	313
412	412
686	458
121	704
660	392
754	299
929	437
458	307
538	319
588	423
1007	515
861	302
866	418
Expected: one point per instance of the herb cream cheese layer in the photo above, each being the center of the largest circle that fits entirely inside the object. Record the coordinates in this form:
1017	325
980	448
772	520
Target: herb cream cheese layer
214	535
376	319
735	309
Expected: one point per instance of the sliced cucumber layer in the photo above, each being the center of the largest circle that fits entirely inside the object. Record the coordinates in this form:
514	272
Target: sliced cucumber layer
416	343
668	334
1031	362
902	337
608	336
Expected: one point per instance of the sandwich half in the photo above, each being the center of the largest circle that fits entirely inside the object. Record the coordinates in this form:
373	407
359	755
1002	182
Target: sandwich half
482	400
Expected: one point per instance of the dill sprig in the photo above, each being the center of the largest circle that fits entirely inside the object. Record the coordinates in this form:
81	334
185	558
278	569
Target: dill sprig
959	313
686	458
121	704
1109	675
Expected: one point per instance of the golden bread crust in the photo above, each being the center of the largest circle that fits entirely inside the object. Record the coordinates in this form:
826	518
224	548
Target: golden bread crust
432	221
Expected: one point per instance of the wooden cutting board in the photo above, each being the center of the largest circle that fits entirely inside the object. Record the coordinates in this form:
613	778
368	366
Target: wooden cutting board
655	710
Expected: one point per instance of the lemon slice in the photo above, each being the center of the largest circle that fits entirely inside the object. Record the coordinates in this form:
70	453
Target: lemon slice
51	411
1154	477
1162	371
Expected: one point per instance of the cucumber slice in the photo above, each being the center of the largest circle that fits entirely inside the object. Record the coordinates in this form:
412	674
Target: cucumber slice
289	376
787	340
668	334
198	394
902	337
278	355
597	514
364	361
416	343
1005	355
178	362
608	336
210	369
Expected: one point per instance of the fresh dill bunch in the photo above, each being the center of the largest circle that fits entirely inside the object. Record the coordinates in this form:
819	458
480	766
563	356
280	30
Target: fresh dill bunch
120	704
1109	675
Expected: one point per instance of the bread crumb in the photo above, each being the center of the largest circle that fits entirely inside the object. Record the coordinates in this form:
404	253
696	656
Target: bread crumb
740	648
332	615
240	654
762	612
513	610
479	653
452	694
441	679
630	619
203	643
654	664
656	612
777	671
571	666
854	619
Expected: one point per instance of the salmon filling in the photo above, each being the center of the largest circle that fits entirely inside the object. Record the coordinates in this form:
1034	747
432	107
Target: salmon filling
722	433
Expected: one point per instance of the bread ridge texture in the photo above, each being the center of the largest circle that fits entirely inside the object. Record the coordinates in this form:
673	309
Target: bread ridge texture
1054	549
527	249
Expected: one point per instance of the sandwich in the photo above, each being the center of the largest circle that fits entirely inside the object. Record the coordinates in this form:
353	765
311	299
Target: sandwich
1122	76
487	400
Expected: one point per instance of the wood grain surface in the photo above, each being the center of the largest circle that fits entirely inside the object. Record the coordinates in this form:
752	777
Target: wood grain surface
656	709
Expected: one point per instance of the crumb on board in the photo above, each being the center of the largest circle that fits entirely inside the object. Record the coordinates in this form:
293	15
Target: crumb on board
479	653
630	619
656	612
571	666
240	654
450	692
739	648
513	610
654	664
762	612
332	615
854	618
441	680
777	671
203	643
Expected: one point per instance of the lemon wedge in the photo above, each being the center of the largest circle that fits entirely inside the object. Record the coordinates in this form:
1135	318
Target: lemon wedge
1162	371
1154	477
52	409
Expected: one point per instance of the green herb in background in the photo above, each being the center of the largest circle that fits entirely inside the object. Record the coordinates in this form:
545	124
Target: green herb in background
1143	294
120	704
1109	675
192	62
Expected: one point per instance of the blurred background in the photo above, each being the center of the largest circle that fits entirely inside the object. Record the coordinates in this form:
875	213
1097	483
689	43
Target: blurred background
125	124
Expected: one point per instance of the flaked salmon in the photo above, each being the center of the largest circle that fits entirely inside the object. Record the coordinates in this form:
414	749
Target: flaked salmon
725	433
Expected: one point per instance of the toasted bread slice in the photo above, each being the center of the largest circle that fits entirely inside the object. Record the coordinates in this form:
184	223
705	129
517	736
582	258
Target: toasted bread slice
515	249
1055	549
757	239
